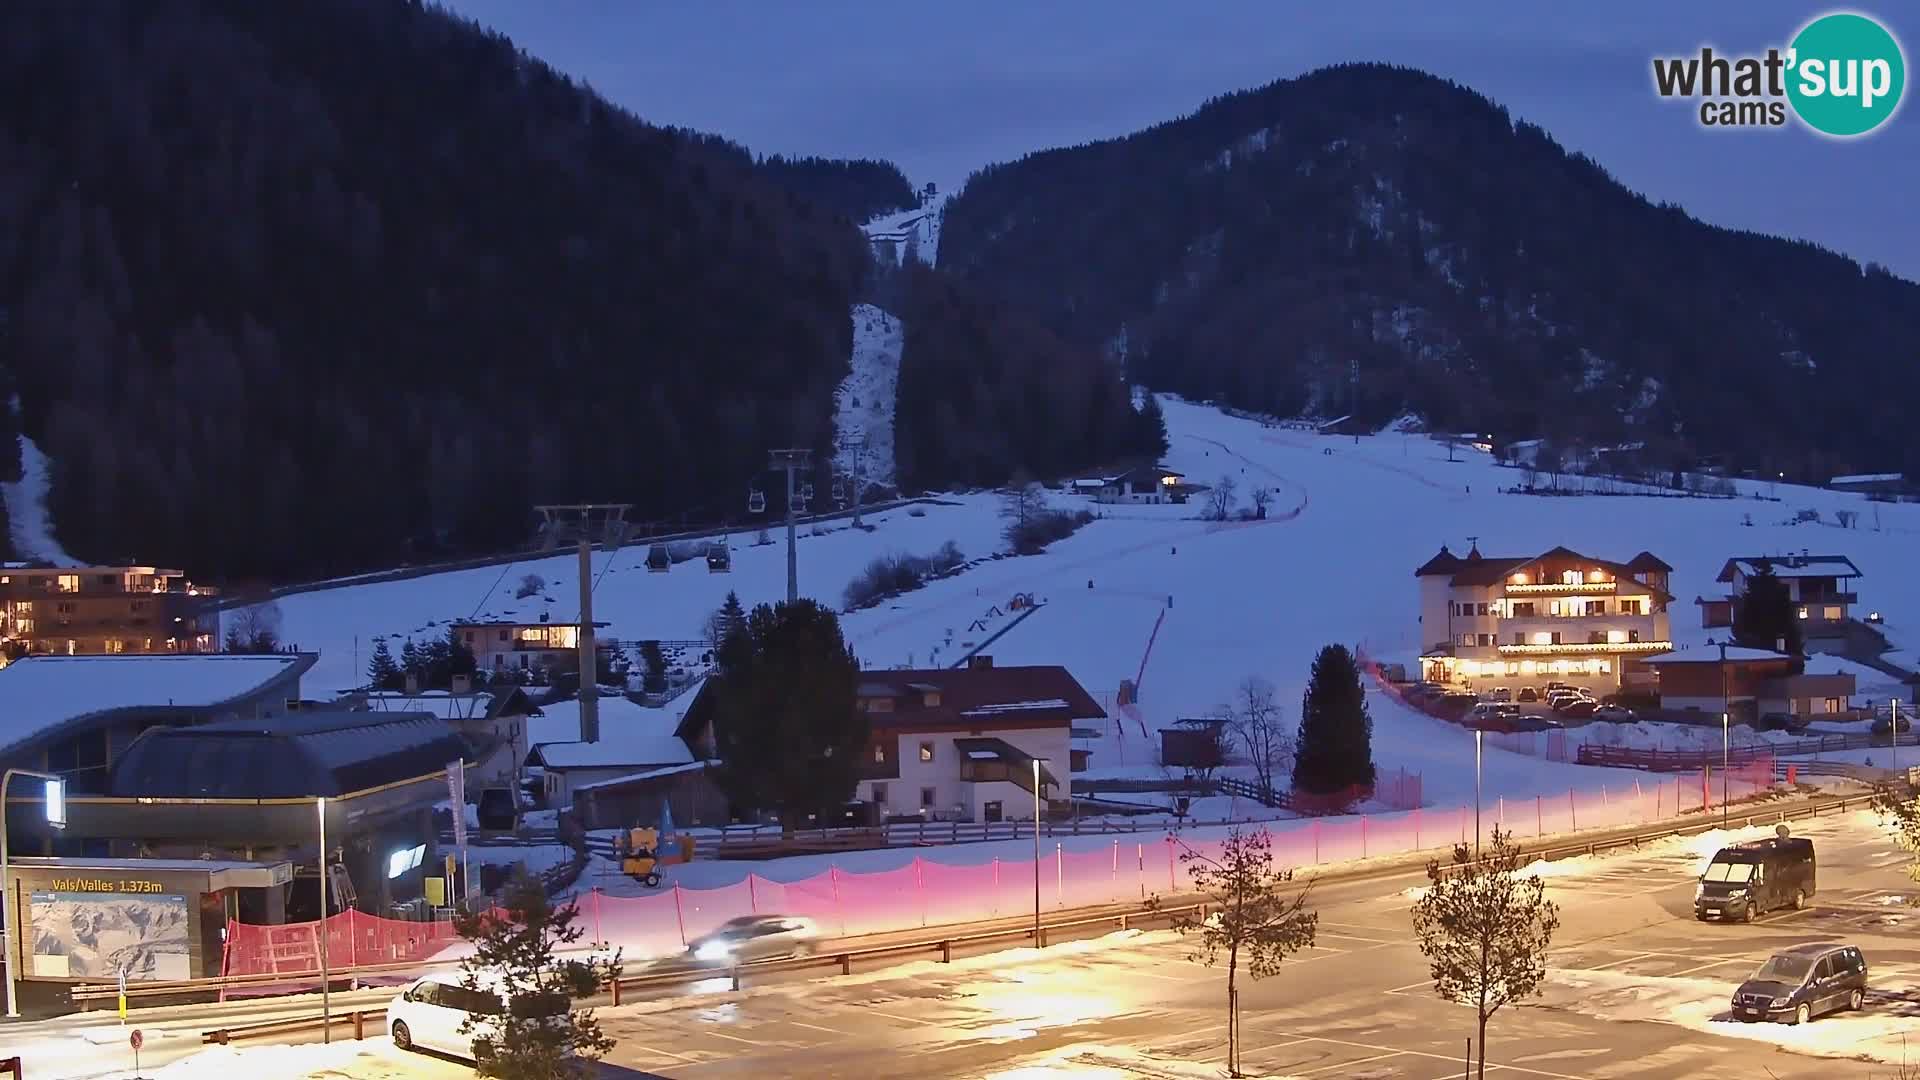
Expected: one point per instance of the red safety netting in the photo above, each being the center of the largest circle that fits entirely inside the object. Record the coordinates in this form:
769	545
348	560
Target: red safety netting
1072	872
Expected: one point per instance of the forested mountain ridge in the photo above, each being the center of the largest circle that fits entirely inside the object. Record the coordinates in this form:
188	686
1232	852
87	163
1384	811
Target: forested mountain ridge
1363	216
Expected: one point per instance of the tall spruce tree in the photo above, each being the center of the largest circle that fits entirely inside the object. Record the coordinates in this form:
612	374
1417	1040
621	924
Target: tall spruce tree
412	661
784	725
653	662
1763	616
382	672
1151	438
1334	751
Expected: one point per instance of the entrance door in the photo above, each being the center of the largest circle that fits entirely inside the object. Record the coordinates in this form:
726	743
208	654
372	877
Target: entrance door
991	811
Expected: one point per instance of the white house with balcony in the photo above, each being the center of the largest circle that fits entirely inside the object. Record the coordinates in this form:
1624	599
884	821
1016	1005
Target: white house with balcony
1821	588
1145	485
501	645
1558	616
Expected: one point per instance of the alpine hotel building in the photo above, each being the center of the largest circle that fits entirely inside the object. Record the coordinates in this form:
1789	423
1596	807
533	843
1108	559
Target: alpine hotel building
1560	616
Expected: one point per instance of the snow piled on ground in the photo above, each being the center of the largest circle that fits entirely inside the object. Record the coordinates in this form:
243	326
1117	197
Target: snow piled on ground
1186	607
28	523
914	233
863	405
1879	1032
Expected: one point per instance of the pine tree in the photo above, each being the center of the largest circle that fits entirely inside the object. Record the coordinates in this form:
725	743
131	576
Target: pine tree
1334	751
411	662
1764	615
382	672
1151	428
460	658
654	680
785	726
537	1033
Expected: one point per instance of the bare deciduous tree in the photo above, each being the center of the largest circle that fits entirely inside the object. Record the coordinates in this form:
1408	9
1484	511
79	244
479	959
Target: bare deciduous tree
1255	716
1252	916
254	628
1220	498
1262	498
1484	930
1023	499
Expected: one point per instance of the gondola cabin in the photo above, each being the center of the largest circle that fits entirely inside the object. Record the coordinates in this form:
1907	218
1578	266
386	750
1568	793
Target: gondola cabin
658	560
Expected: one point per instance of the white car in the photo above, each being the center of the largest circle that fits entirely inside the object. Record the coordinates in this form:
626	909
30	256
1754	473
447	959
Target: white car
1618	714
431	1012
754	937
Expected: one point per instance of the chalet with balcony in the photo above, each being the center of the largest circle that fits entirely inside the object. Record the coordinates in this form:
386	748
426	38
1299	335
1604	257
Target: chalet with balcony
104	610
1820	586
956	744
1145	485
523	646
1558	616
1748	683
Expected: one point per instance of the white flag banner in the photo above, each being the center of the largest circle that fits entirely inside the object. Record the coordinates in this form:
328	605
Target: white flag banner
457	794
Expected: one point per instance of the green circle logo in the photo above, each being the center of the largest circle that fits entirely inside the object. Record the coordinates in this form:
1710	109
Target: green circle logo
1845	74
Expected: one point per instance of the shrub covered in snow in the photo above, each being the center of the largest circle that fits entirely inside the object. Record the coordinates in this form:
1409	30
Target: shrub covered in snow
890	575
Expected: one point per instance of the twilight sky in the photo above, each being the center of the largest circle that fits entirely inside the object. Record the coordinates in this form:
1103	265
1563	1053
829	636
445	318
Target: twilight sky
942	90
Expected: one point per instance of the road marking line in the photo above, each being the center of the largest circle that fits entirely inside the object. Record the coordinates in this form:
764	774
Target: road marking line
1357	937
1626	960
1714	964
663	1053
815	1027
1345	1064
1437	1057
902	1019
732	1038
1409	986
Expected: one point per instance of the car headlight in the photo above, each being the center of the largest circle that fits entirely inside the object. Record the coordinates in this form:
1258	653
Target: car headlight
713	950
1779	1001
1699	891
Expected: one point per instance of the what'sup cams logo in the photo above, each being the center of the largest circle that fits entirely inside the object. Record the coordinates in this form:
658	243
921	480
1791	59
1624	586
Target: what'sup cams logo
1842	76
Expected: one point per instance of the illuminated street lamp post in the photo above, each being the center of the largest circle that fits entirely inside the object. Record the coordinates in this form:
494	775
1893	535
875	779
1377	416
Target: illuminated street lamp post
56	810
1725	758
1476	792
326	981
1036	853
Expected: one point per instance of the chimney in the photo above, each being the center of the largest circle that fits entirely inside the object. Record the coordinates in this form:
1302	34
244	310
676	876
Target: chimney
462	684
979	661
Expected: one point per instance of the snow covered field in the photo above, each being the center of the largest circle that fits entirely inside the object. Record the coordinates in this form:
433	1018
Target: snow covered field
1334	563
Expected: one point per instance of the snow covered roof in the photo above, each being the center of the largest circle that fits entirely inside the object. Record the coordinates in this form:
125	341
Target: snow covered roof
1710	654
1016	706
1092	482
40	693
1868	478
1790	566
630	734
650	774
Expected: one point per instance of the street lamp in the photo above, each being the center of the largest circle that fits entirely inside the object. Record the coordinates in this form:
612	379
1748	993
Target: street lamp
1476	792
326	980
1725	756
56	811
1036	853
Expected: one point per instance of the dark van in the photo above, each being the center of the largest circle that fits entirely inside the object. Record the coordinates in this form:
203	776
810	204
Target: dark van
1756	877
1803	982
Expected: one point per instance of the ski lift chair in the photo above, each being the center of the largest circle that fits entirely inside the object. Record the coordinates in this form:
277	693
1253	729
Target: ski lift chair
756	501
658	561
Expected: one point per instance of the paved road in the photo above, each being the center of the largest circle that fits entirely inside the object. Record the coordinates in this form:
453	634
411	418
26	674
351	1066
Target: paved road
1357	1006
1629	962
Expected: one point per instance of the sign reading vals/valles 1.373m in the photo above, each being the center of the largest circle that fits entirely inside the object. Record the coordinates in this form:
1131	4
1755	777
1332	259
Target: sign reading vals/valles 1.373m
104	885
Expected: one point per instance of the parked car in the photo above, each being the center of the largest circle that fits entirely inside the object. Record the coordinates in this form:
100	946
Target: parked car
1803	982
754	937
1528	693
1884	725
1558	699
431	1011
1524	722
1779	721
1501	693
1580	707
1618	714
1558	685
1753	878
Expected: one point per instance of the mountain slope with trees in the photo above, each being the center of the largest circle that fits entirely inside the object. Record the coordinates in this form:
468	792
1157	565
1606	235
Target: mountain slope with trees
296	288
1261	249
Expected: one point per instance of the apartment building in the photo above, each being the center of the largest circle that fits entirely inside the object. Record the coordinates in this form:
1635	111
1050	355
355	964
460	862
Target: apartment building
1525	621
104	610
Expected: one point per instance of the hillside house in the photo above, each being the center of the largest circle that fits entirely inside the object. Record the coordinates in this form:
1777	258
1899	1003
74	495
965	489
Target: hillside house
1144	485
1820	586
1747	683
1558	616
956	744
633	739
104	610
1884	485
500	645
